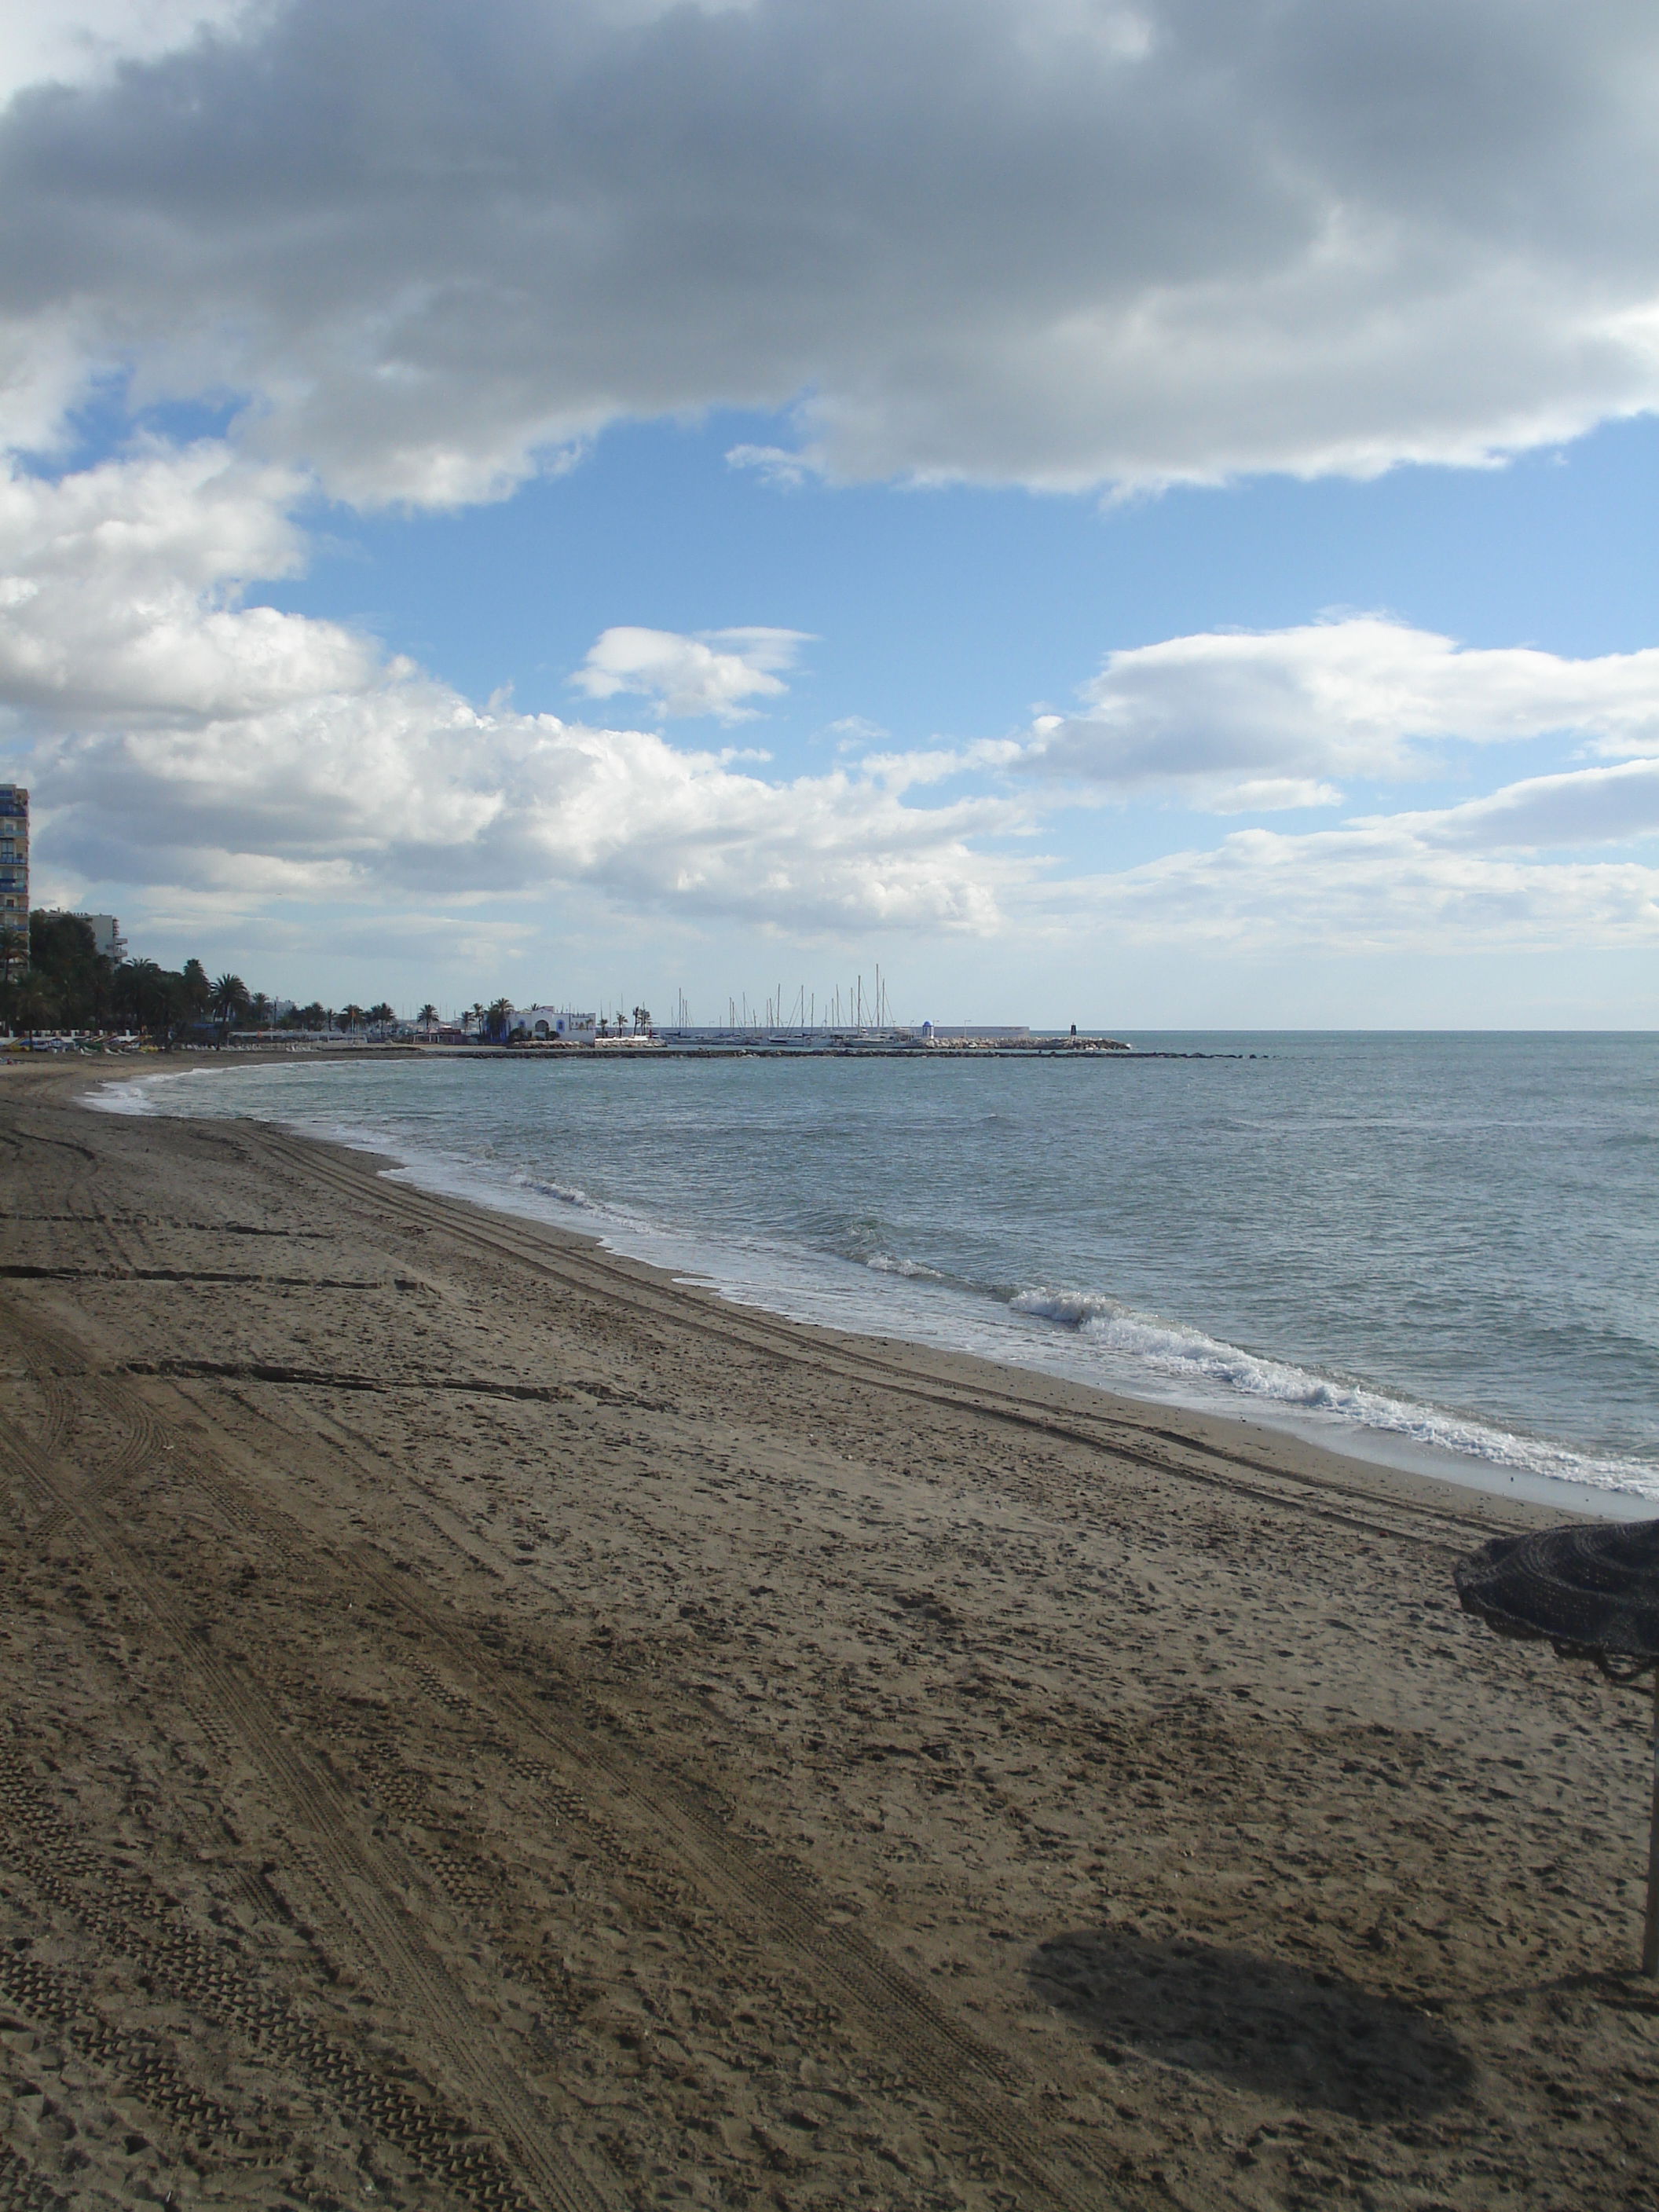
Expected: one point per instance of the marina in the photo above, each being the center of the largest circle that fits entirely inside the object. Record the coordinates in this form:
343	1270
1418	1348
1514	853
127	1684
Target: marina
871	1043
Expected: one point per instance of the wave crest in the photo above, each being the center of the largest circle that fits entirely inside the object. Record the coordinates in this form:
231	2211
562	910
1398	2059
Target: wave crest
1182	1353
884	1263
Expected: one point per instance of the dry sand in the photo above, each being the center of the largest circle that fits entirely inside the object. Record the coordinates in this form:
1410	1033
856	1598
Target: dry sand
484	1726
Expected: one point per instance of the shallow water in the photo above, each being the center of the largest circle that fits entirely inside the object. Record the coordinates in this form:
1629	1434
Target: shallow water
1439	1250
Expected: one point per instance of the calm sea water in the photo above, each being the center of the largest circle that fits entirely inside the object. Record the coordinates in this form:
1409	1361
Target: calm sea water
1441	1250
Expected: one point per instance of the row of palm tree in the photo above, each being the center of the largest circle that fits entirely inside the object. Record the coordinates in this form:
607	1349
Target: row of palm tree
349	1021
66	982
55	978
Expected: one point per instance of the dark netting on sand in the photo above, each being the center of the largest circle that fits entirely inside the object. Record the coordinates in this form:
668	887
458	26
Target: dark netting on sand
1593	1592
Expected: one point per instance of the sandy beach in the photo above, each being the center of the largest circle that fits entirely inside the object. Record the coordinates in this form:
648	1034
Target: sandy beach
486	1726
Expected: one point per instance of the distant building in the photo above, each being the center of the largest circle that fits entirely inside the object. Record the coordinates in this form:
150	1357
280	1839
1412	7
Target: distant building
552	1025
106	934
106	938
14	870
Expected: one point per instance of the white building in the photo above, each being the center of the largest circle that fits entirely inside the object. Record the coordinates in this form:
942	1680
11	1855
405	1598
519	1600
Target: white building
106	938
552	1025
106	934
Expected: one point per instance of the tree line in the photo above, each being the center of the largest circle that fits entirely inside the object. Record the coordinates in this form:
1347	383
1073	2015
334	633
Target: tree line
57	979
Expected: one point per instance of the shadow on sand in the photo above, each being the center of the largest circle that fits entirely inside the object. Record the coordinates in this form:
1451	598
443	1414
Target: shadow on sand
1300	2038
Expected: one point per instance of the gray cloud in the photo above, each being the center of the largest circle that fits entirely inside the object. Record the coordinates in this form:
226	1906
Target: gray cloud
1043	240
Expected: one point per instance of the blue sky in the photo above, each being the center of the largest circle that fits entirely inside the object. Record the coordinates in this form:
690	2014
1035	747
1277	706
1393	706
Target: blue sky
958	613
953	610
1194	563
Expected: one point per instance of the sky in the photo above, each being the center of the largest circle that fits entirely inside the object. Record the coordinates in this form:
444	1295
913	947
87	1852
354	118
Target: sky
1138	515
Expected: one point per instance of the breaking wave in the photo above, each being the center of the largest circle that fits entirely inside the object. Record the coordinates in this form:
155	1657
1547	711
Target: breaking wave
1183	1354
884	1263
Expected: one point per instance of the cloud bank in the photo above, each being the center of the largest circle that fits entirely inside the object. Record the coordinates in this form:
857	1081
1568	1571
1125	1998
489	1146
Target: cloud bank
1052	242
180	739
177	738
403	787
1379	885
1239	722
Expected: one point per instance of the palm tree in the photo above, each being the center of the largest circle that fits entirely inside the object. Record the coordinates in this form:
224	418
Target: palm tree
141	992
32	1004
230	1003
427	1017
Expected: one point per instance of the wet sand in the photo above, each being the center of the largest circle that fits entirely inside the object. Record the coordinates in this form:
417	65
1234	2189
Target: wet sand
486	1726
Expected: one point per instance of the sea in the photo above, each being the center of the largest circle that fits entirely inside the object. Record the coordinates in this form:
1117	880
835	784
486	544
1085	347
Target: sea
1437	1251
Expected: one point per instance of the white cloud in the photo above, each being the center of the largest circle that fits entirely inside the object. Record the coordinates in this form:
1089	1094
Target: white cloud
774	465
1583	807
118	590
176	738
231	757
406	786
1242	722
1459	880
1334	892
714	674
1061	245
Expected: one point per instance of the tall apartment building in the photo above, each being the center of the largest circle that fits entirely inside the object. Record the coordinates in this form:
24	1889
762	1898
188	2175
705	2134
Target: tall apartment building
14	872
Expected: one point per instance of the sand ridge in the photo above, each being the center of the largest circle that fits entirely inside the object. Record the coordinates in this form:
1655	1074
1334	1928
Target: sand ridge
485	1725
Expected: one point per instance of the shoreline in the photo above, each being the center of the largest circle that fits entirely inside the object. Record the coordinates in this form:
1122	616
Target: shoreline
906	1363
1352	1441
493	1725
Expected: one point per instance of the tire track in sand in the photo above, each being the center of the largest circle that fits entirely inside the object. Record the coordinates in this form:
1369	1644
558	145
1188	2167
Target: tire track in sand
629	1804
361	1875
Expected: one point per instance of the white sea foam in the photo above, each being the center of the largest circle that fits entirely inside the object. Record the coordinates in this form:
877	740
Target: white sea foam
1071	1308
884	1263
1183	1354
567	1193
134	1095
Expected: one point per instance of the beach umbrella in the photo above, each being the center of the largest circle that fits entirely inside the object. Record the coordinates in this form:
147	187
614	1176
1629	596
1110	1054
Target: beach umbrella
1593	1593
